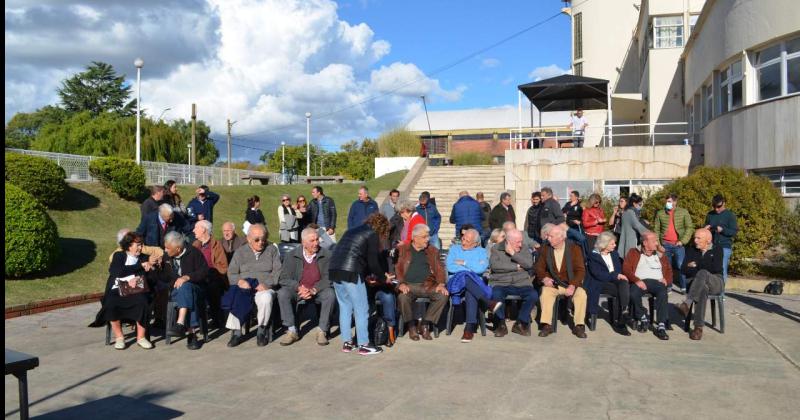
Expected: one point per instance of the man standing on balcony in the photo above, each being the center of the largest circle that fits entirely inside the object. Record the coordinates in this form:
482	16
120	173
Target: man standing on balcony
577	123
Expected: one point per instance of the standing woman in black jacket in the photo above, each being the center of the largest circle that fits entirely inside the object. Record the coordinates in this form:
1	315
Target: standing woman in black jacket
356	259
253	213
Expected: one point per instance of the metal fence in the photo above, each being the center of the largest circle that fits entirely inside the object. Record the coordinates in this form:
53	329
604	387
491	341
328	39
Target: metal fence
77	169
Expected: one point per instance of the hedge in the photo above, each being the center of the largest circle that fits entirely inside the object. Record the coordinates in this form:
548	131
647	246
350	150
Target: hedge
42	178
758	207
31	235
471	158
123	176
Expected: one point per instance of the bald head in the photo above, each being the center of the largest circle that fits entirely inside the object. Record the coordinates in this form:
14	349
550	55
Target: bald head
514	239
702	239
649	242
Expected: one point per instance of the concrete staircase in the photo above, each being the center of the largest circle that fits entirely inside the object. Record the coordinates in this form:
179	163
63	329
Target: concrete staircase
445	182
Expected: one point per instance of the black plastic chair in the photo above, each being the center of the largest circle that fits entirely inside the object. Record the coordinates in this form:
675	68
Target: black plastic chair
172	319
611	303
401	322
450	312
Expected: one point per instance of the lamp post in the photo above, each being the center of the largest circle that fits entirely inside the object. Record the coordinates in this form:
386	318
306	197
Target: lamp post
163	112
283	163
139	63
308	144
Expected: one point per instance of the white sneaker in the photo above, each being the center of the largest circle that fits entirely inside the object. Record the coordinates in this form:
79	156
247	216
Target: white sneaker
119	343
144	343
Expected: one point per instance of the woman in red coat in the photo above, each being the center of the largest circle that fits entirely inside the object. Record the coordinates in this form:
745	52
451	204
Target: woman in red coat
594	220
411	218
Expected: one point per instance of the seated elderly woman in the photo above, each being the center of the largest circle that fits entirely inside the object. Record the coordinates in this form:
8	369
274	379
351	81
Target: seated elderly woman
605	277
128	263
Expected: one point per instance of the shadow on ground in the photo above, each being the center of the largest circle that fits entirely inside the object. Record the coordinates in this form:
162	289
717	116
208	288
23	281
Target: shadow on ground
76	253
75	199
117	407
766	306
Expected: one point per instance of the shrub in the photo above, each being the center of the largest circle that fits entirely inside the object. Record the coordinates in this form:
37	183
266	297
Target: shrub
758	207
471	158
122	176
42	178
399	142
790	239
31	235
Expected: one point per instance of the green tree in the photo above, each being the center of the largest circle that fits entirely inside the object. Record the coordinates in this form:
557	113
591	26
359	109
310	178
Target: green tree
295	158
398	142
98	90
23	127
207	152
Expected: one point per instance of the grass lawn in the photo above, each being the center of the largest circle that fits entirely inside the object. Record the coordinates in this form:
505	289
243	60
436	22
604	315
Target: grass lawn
89	219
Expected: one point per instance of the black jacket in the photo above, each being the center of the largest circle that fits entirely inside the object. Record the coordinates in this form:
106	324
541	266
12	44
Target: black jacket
358	253
551	213
572	213
533	224
254	216
193	264
711	261
292	269
500	215
328	211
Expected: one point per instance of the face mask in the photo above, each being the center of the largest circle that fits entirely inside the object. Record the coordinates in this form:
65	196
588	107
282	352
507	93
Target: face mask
669	206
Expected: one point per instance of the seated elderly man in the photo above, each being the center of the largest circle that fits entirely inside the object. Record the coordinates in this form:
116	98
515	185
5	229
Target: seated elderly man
648	272
527	242
560	268
509	264
184	272
214	254
420	275
259	260
703	269
304	275
230	240
468	256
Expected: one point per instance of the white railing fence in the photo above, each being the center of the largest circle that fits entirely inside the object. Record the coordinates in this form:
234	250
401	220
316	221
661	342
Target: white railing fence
157	173
647	134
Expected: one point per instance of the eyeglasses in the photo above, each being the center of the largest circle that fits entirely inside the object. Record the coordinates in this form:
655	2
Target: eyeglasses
258	240
285	199
301	201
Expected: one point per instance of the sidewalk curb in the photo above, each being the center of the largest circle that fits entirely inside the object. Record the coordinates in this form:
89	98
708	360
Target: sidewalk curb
51	304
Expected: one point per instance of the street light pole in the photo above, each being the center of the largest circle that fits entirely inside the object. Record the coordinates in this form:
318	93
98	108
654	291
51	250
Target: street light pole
139	63
430	133
230	124
162	113
283	163
308	144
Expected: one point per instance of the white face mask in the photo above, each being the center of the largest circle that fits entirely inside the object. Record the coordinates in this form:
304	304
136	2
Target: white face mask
669	206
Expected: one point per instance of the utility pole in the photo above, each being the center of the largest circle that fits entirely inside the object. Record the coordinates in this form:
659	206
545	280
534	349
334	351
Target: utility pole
193	158
230	124
283	163
430	133
308	144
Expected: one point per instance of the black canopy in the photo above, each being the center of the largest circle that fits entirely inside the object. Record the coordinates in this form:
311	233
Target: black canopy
567	93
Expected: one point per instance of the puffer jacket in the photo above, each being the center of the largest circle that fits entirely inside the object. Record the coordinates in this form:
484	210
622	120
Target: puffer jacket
467	210
328	211
356	255
683	225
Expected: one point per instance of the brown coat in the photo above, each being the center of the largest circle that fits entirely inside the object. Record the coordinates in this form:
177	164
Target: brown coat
579	270
632	261
218	258
437	275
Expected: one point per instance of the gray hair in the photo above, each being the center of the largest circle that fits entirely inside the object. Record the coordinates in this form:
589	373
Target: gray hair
308	232
561	232
205	224
406	206
514	233
121	234
504	195
174	238
495	234
476	236
233	225
546	229
509	225
419	230
259	226
603	240
165	209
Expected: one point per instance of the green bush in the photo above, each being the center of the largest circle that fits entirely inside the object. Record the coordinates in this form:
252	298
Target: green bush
124	177
399	142
758	207
31	235
42	178
471	158
790	239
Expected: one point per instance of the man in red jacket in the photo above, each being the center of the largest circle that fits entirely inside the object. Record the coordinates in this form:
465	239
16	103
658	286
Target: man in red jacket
651	273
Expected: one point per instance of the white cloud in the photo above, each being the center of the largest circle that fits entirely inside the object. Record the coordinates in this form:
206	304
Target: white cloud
262	63
488	63
547	72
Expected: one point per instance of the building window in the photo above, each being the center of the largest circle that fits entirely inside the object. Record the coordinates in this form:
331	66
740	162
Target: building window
623	188
708	103
778	69
668	31
577	36
690	118
730	87
578	69
786	180
692	22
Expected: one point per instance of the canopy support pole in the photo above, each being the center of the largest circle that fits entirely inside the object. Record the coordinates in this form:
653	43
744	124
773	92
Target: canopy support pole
610	116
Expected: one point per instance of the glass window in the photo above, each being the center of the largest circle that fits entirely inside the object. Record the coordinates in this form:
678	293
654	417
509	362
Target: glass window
708	108
768	54
786	180
692	22
668	31
793	75
577	36
769	81
730	86
778	69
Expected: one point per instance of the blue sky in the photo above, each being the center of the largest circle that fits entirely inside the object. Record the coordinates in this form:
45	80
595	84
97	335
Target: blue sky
434	33
265	63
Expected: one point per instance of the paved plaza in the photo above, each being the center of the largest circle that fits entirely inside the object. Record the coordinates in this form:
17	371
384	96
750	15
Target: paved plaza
752	371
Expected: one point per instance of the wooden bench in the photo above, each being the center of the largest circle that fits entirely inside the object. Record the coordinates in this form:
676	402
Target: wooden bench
313	179
18	364
262	179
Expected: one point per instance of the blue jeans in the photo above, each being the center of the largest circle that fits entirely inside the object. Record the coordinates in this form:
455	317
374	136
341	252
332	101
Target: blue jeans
529	297
352	298
726	258
472	295
189	296
675	255
388	306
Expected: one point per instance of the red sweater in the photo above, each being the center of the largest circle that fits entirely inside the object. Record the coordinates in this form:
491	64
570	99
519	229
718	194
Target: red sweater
590	219
416	219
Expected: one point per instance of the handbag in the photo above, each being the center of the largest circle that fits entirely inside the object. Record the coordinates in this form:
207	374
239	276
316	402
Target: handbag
126	290
379	331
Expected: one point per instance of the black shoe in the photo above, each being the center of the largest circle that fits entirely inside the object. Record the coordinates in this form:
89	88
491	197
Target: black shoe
661	334
235	340
191	342
261	337
643	326
178	330
621	329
